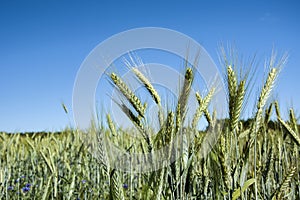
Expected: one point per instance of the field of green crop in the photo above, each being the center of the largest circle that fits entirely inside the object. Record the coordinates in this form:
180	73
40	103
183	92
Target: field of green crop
253	159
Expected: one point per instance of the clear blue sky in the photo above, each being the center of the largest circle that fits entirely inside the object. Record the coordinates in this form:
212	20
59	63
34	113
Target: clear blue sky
43	43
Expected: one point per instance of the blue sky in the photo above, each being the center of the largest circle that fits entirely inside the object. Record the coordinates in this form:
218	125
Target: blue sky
43	43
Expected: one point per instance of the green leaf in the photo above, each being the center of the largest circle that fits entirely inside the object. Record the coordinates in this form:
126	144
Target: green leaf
237	193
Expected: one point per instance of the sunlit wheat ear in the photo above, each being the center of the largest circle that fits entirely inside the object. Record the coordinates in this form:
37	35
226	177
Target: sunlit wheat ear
285	185
102	153
198	97
264	95
129	95
111	125
209	96
185	91
208	117
293	120
236	93
206	100
294	135
170	133
154	94
232	86
238	103
116	192
203	105
169	127
277	110
268	86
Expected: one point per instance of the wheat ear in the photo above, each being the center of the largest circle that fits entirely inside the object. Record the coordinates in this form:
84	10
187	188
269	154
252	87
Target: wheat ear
293	120
294	135
277	110
203	104
111	125
284	186
154	94
238	103
232	88
116	192
129	95
185	91
178	119
148	85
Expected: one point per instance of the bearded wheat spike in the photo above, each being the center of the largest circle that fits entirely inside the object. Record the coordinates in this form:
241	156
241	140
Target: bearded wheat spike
277	110
238	105
203	105
170	133
285	184
111	125
116	191
293	120
199	98
264	95
208	97
169	127
232	88
294	135
129	95
148	85
231	79
154	94
185	92
102	153
208	116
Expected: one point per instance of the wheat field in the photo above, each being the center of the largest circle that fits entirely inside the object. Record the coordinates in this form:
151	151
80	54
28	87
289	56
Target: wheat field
257	158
